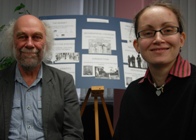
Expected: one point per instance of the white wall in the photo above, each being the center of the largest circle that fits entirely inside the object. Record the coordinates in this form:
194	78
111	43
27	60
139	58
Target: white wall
40	8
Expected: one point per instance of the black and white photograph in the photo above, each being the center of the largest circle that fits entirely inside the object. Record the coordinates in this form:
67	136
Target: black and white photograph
99	46
106	72
66	57
88	70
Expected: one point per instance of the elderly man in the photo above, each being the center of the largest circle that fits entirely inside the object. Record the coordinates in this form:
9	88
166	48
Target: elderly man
37	102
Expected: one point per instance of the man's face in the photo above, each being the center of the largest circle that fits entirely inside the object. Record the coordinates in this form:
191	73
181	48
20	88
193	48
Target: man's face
29	42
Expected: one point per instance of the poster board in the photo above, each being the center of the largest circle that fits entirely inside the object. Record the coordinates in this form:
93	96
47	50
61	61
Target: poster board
96	50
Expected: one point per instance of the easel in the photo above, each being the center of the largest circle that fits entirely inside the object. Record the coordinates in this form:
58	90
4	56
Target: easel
97	91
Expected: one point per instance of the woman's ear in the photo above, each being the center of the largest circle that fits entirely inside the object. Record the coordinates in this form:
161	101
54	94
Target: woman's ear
136	45
182	39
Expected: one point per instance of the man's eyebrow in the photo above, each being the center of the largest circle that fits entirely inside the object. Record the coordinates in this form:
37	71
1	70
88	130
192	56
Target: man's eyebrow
23	33
38	33
20	33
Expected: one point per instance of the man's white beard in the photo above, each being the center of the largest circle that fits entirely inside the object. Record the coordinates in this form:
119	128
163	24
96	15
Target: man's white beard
28	63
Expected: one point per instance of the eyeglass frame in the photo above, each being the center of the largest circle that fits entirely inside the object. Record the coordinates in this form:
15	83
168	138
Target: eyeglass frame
160	30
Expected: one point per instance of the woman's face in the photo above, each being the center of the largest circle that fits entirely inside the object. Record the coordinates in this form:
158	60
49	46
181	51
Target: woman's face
160	49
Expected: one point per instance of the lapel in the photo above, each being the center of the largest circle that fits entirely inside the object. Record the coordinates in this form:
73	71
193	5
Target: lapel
47	91
8	94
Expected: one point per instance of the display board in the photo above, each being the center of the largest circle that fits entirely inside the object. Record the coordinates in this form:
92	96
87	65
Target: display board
96	50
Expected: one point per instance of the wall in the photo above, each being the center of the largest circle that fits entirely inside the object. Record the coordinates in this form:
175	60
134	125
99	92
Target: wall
129	8
40	8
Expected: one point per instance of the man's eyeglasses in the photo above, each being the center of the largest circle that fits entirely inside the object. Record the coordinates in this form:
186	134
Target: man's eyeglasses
171	30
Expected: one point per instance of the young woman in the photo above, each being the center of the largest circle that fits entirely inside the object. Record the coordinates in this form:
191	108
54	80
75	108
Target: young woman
162	104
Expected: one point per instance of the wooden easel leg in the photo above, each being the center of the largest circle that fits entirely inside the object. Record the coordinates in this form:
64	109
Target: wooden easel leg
85	102
97	91
107	116
96	118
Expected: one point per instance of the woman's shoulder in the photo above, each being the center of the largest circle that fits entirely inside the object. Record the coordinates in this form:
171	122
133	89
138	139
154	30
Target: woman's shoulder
135	83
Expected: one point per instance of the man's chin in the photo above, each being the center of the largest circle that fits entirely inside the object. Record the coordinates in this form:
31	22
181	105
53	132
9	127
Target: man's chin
29	65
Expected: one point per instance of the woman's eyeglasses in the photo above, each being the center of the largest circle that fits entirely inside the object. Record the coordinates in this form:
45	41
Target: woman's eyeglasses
171	30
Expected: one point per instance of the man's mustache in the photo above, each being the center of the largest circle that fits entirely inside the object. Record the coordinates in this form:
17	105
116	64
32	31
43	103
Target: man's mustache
25	50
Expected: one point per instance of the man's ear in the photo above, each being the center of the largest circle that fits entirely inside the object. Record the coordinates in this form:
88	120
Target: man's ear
136	45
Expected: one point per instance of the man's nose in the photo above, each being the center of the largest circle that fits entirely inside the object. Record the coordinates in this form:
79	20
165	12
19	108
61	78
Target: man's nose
29	42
